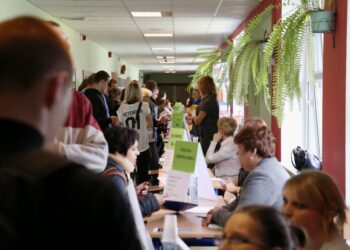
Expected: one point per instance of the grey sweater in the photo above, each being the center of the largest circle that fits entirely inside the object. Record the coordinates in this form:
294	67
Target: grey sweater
263	185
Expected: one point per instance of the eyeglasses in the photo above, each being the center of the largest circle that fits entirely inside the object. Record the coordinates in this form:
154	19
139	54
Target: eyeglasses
237	239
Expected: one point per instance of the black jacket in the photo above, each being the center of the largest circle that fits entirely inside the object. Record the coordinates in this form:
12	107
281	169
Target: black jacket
48	202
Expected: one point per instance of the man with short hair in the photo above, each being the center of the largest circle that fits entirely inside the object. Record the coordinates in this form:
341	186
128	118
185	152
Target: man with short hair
48	202
95	93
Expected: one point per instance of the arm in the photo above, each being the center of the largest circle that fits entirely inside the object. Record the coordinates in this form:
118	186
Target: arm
199	118
148	204
221	215
81	139
257	189
99	110
225	152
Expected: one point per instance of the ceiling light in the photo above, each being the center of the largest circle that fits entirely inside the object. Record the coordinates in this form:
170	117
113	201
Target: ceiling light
167	62
162	49
167	57
158	35
146	14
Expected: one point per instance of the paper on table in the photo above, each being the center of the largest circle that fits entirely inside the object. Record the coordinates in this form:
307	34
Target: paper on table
168	160
162	179
199	210
177	186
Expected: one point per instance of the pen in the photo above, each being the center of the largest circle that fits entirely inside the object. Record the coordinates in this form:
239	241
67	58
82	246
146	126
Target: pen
201	216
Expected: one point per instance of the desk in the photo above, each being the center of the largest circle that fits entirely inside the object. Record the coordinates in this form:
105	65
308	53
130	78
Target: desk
184	221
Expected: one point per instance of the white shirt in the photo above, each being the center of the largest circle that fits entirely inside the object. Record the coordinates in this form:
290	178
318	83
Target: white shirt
336	244
226	159
127	115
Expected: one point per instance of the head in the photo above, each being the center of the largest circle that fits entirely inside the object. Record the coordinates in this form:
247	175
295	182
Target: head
161	103
133	93
57	28
44	83
101	79
256	121
113	83
146	94
114	94
162	95
254	143
206	86
257	227
312	200
227	126
195	94
83	85
122	141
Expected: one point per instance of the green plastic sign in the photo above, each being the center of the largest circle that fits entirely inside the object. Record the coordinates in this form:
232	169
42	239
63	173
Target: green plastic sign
178	107
176	134
177	120
185	156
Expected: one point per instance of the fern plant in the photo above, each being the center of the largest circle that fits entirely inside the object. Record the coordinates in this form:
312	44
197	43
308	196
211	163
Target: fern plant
247	56
285	45
212	57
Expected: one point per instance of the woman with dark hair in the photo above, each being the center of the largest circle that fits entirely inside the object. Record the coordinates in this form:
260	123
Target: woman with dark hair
207	113
312	201
264	183
123	152
114	100
257	227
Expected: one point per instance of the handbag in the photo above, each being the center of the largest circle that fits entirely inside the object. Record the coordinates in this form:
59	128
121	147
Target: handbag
302	159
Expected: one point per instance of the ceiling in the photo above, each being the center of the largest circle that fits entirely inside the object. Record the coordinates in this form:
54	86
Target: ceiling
194	24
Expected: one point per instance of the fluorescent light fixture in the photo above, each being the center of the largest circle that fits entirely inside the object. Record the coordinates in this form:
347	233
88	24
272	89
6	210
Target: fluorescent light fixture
167	62
167	57
146	14
158	34
163	49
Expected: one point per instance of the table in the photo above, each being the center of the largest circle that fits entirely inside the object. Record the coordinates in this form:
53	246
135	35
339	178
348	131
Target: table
189	225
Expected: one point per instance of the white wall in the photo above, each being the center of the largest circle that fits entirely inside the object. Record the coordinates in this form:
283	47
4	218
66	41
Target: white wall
87	55
347	116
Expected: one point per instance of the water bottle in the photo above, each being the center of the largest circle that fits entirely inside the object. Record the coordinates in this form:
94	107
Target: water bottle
192	190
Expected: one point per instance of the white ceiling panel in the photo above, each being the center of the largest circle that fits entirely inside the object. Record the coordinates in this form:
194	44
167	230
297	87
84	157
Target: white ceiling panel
194	23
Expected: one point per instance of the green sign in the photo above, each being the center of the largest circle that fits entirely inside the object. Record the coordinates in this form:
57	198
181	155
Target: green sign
176	134
178	107
177	120
185	156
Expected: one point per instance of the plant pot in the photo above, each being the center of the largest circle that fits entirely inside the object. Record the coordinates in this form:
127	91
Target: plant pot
322	21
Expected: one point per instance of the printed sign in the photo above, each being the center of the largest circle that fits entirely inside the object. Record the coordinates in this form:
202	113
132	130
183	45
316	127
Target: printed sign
185	156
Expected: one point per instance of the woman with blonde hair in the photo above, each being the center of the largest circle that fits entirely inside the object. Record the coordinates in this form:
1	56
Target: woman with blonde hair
135	114
207	113
312	201
222	151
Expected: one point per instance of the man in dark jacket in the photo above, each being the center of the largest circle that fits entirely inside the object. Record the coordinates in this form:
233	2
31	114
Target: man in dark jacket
48	202
96	94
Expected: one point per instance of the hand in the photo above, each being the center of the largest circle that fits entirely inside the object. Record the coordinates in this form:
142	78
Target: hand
207	220
230	187
159	198
115	120
142	189
217	136
235	181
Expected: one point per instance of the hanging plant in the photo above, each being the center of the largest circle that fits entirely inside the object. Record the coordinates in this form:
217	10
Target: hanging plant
247	57
212	57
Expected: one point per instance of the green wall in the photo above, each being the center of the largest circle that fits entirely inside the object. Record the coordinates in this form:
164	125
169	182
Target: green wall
87	55
178	78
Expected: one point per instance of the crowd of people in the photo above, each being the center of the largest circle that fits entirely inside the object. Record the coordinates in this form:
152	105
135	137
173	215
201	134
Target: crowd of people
68	156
